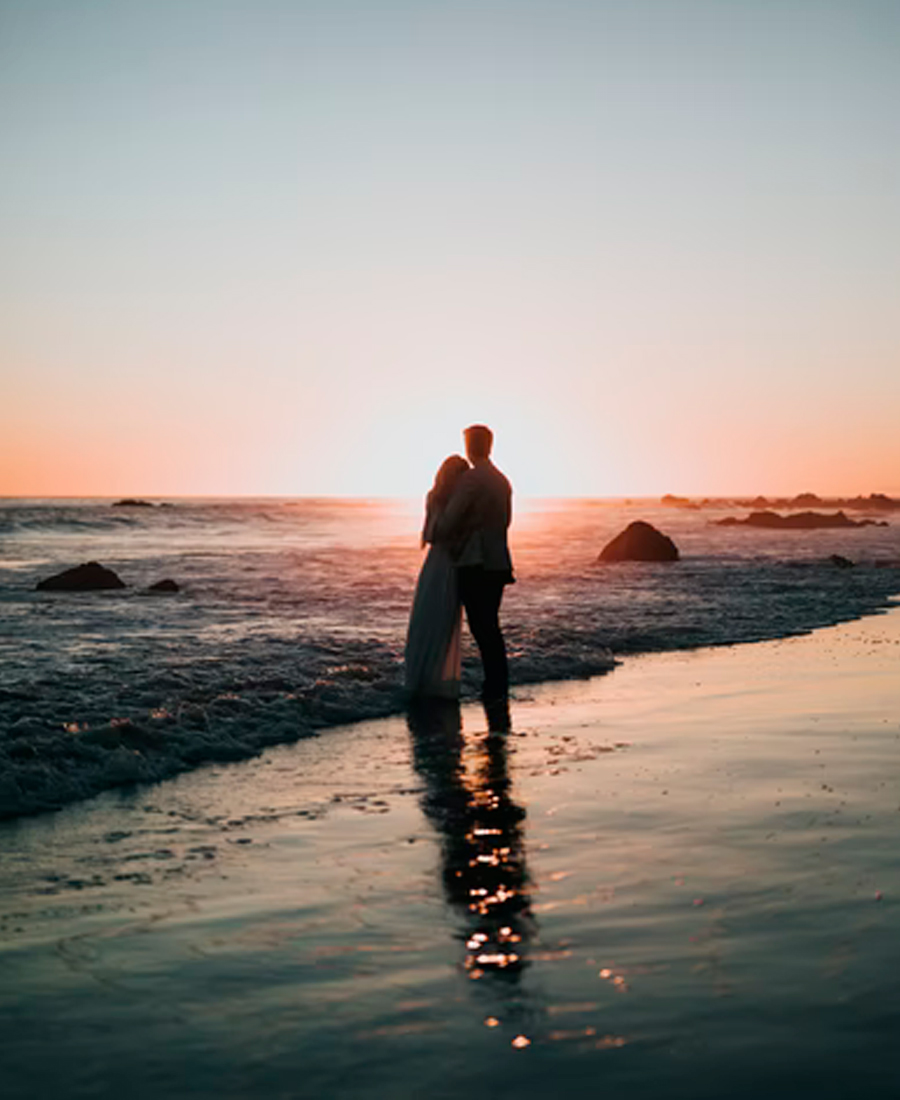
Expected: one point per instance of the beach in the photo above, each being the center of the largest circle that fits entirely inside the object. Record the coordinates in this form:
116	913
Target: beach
675	879
291	618
269	271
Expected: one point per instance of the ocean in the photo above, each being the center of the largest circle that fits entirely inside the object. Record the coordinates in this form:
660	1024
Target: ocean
291	618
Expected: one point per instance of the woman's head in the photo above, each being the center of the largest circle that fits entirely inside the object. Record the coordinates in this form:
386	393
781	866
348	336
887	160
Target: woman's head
450	471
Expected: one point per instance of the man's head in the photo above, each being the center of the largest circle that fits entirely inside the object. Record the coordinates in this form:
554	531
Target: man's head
479	441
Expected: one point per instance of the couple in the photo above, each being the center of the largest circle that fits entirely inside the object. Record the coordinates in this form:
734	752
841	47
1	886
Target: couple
467	515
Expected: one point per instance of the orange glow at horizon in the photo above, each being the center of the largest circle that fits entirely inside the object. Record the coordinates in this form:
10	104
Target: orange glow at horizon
585	227
240	450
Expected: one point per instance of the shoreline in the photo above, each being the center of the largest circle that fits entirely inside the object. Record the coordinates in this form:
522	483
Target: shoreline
699	867
136	754
291	621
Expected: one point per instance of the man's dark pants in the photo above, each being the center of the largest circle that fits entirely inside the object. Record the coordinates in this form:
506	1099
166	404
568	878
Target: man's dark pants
481	591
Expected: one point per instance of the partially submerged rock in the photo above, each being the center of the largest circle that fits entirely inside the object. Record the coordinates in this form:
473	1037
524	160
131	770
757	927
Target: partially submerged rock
640	541
88	577
805	521
840	562
879	502
166	585
874	502
133	502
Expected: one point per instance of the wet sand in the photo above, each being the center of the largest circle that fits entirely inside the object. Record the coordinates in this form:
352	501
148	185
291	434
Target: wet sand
679	879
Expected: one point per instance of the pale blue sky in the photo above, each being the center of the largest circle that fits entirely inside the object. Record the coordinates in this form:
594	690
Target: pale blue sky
293	247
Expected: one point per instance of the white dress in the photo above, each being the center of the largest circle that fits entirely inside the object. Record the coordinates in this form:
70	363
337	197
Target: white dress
433	641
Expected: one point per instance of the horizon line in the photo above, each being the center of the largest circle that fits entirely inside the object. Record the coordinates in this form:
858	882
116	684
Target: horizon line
622	497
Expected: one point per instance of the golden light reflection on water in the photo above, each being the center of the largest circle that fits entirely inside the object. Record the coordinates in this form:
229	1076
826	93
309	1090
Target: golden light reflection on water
485	879
468	798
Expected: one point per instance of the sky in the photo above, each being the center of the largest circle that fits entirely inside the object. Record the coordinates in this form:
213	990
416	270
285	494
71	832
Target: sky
293	247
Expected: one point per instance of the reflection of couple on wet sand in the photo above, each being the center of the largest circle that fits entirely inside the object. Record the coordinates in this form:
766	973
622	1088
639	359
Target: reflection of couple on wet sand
468	799
467	515
467	793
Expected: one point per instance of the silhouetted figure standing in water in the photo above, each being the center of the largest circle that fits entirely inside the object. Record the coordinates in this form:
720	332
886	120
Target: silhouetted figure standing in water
474	524
432	658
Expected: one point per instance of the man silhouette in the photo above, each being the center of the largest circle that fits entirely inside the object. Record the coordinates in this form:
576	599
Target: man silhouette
475	522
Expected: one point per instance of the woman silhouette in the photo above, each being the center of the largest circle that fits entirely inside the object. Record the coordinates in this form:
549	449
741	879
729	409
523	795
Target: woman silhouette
432	658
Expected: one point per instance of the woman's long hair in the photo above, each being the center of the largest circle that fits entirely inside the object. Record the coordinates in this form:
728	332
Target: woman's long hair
451	469
445	481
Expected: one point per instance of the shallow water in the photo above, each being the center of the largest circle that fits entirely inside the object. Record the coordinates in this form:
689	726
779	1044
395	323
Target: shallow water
693	861
293	613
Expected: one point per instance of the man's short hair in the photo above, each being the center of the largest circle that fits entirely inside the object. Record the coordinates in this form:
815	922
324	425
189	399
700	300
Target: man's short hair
479	440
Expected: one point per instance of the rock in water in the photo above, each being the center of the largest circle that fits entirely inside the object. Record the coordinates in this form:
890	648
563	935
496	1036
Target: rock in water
807	521
82	578
166	585
840	561
640	541
132	502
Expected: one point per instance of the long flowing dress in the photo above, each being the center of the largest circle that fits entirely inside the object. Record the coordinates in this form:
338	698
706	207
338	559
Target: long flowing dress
434	637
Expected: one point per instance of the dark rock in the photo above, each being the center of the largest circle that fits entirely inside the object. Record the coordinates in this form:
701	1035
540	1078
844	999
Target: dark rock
874	502
805	521
166	585
840	561
132	502
880	502
82	578
640	541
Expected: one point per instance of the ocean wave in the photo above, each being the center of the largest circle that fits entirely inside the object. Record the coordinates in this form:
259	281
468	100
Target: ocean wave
62	523
271	640
140	709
